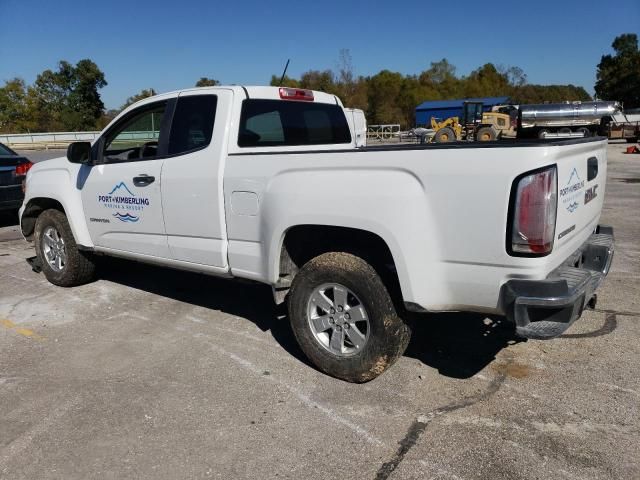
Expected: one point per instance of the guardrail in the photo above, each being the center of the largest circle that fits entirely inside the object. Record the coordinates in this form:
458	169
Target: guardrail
46	141
383	133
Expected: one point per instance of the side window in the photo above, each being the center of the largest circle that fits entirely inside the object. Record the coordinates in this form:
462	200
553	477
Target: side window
268	126
136	137
288	123
318	126
192	124
502	122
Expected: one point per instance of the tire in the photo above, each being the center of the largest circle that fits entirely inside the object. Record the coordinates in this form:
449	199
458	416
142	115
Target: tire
367	346
62	263
445	135
486	134
585	131
542	133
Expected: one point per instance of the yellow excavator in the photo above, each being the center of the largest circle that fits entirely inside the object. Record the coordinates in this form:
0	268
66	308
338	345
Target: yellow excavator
476	125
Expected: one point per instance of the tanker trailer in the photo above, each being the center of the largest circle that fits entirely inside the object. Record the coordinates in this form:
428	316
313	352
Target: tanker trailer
585	118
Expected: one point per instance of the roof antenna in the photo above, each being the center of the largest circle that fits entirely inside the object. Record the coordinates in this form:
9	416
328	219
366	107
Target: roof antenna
285	71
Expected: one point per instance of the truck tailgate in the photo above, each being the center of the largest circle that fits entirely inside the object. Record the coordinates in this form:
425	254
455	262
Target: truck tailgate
582	174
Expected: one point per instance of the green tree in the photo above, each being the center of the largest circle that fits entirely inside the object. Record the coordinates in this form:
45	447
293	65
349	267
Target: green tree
486	81
146	93
68	99
286	81
548	94
618	76
441	81
322	81
13	107
207	82
384	90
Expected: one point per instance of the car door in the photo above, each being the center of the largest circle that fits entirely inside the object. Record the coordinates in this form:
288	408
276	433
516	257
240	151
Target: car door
121	194
192	178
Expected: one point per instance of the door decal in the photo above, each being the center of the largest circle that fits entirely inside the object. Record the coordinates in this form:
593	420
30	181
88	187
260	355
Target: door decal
127	205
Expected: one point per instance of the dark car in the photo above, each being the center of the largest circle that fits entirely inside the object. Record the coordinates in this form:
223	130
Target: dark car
13	170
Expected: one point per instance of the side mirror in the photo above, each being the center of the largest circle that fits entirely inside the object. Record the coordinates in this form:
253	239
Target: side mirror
79	152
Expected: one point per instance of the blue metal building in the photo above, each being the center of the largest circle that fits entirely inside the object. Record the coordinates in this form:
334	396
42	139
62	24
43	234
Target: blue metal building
442	109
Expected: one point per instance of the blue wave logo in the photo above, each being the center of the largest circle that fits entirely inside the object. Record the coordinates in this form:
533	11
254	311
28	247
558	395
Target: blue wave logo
574	172
119	186
126	217
572	207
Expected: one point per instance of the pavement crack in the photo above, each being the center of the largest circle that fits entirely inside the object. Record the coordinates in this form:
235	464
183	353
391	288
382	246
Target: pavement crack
418	426
610	324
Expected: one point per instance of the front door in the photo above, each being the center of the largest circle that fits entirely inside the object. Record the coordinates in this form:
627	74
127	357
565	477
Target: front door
192	196
121	194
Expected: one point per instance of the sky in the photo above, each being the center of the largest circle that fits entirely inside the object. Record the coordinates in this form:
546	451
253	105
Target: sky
169	45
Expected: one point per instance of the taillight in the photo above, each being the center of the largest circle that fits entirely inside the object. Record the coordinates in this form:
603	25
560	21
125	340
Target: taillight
296	94
23	168
533	221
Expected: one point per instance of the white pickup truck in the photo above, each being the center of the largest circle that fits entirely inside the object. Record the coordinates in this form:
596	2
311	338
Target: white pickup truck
268	184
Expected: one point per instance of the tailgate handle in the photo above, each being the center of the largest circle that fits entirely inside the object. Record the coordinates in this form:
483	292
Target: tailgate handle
592	168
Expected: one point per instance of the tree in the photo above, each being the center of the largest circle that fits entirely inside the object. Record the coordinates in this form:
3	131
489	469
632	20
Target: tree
486	81
207	82
319	80
548	94
618	76
13	107
286	81
68	99
146	93
383	92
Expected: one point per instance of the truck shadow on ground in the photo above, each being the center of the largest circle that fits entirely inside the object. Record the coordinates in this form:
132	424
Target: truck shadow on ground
458	345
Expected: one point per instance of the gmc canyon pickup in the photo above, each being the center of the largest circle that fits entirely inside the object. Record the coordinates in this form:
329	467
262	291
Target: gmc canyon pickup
268	184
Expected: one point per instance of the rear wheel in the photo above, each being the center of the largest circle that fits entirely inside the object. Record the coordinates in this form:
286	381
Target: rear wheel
543	133
344	319
445	135
585	131
62	263
486	134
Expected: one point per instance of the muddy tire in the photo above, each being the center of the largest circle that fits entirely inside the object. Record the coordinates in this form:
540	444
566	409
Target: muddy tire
344	318
445	135
486	134
62	263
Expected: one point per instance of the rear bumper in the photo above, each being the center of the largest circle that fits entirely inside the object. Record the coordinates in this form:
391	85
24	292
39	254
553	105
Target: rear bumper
544	309
11	197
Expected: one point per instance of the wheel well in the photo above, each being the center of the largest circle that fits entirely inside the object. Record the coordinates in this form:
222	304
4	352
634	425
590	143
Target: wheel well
304	242
34	208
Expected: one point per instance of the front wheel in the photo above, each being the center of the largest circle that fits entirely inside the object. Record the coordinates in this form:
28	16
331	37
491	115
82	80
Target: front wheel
486	134
62	263
344	319
445	135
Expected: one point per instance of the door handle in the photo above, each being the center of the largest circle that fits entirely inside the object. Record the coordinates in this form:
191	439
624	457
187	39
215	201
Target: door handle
143	180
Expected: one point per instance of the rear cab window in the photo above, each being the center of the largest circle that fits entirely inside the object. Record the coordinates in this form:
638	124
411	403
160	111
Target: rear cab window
268	123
